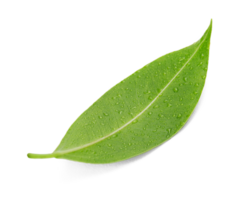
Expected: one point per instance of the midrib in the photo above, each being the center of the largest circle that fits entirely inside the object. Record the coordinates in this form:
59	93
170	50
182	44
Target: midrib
59	153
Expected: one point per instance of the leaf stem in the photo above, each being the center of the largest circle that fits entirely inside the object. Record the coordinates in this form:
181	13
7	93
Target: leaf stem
41	155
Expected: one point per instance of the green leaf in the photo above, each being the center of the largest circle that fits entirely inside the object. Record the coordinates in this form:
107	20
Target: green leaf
142	111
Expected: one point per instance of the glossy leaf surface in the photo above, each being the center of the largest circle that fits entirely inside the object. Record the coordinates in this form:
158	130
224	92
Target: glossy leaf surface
142	111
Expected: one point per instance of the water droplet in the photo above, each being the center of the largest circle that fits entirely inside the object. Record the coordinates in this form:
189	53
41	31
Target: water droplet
202	55
120	112
156	106
169	105
130	144
185	79
181	84
179	115
106	114
150	113
135	121
197	84
100	117
169	130
150	98
161	115
175	89
203	77
109	145
180	99
195	92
